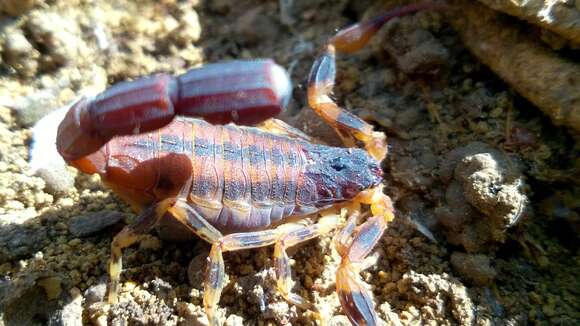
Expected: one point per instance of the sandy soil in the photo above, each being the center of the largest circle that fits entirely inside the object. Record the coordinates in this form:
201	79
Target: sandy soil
486	187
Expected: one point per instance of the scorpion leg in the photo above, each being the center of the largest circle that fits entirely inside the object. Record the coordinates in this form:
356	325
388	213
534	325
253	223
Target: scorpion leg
280	127
128	236
215	271
353	245
304	233
322	78
282	239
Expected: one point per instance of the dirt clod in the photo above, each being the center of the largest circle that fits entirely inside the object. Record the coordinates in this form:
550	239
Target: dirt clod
415	50
474	268
484	197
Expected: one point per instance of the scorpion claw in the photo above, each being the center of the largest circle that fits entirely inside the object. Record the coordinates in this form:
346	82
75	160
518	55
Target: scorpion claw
354	298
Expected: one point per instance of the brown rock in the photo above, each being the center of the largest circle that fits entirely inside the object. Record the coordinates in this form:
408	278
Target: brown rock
556	16
537	73
16	7
473	268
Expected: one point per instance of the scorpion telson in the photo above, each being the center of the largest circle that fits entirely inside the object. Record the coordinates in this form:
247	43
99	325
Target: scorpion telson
239	187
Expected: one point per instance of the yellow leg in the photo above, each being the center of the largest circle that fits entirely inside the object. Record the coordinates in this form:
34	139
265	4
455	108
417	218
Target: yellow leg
280	127
128	236
215	271
326	224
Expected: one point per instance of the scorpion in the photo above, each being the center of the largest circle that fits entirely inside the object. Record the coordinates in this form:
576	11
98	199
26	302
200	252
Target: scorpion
168	146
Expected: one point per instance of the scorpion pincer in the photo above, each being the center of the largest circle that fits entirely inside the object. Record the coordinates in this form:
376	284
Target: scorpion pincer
236	186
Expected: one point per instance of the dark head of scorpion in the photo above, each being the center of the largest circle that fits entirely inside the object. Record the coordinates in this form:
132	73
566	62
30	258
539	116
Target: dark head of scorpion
340	174
240	187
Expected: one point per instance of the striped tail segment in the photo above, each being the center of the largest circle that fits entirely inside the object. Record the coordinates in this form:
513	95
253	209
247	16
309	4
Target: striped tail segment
243	91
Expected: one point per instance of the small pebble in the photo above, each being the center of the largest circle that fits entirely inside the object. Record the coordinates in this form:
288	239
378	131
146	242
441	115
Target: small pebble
72	312
91	223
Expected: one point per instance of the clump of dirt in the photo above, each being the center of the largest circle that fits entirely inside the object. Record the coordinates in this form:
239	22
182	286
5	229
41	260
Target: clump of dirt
484	196
485	187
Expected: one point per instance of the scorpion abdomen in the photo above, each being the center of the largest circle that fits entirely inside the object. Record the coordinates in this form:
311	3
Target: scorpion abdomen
244	179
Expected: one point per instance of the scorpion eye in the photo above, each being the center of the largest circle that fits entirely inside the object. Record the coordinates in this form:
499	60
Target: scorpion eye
337	164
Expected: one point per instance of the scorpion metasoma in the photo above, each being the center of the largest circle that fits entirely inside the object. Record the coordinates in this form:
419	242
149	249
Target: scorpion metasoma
239	187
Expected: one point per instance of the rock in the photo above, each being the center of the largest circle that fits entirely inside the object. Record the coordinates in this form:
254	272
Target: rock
95	293
91	223
488	187
72	312
436	291
473	268
534	71
483	198
45	161
142	308
18	241
19	53
16	7
559	17
32	108
59	35
415	50
234	320
58	179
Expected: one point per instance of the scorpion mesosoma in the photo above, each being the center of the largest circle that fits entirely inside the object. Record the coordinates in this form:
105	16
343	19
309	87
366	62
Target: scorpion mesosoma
239	187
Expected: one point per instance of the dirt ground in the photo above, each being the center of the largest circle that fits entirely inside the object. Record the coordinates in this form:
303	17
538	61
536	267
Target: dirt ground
486	187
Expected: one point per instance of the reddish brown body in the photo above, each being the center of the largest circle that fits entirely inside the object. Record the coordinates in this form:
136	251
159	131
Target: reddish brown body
242	178
228	184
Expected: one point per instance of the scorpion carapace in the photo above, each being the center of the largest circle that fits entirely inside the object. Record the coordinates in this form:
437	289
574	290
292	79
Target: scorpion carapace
337	174
237	187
